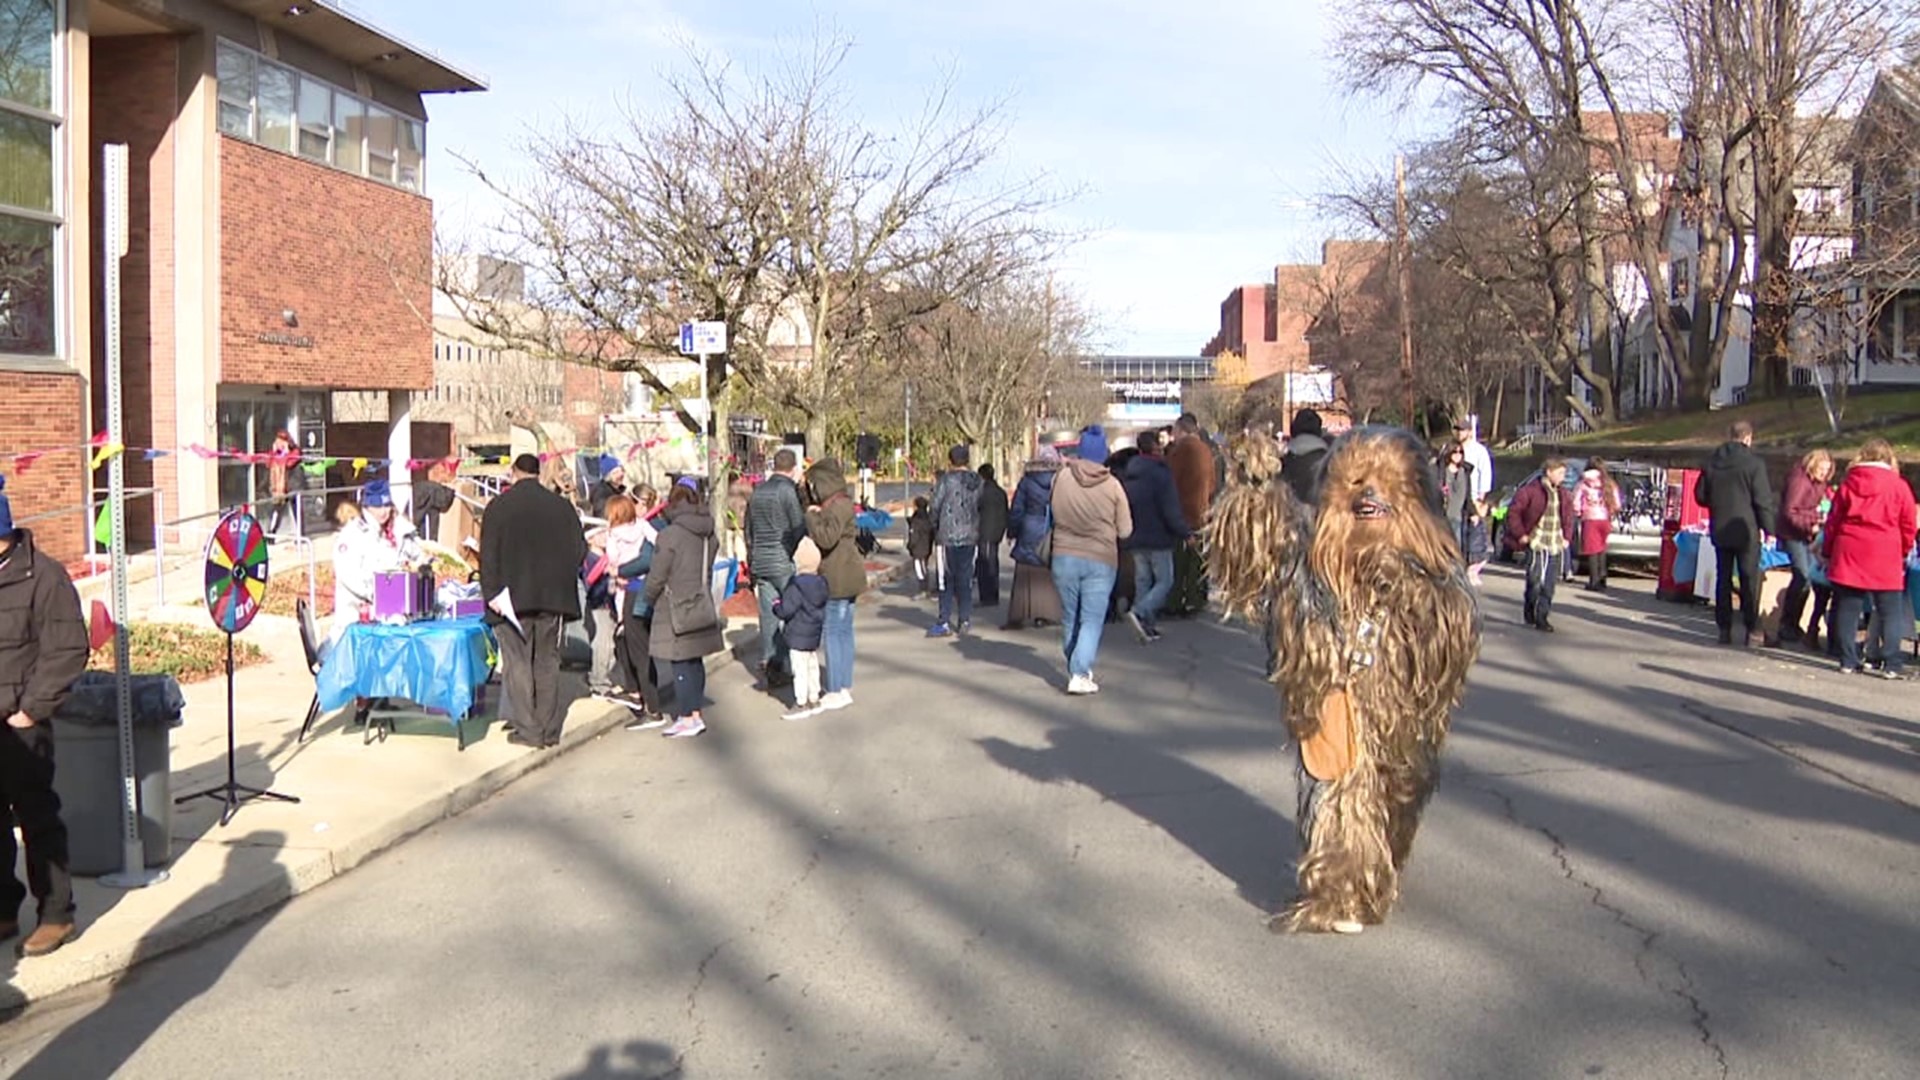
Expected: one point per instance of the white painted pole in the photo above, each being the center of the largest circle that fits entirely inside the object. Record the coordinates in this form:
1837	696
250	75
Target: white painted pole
133	860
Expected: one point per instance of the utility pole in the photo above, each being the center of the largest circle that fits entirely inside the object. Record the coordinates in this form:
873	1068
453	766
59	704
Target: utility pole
1286	373
1403	253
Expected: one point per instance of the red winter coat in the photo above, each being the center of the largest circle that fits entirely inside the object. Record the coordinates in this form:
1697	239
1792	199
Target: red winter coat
1870	530
1529	505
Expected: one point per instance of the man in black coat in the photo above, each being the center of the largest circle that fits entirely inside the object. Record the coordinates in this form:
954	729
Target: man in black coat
776	521
532	547
1738	497
993	532
43	649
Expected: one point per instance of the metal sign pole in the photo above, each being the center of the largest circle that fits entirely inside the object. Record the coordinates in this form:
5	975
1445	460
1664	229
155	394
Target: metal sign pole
133	861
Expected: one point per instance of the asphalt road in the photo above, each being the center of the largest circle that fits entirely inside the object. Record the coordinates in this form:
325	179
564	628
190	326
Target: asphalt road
1651	857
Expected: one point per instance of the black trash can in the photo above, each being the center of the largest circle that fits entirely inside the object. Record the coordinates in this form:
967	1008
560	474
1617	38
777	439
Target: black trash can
86	773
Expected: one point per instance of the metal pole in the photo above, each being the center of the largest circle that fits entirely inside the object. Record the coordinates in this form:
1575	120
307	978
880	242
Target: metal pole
1404	249
706	426
159	548
906	464
133	861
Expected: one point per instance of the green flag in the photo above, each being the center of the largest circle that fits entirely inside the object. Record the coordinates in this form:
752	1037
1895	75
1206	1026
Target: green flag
103	526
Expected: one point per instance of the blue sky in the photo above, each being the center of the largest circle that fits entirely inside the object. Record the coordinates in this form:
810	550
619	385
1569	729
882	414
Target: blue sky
1197	131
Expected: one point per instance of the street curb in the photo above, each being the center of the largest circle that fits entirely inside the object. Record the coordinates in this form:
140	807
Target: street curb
304	875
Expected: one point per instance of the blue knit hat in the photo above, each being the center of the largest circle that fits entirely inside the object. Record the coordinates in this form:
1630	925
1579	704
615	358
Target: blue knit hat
376	493
1093	444
608	463
6	510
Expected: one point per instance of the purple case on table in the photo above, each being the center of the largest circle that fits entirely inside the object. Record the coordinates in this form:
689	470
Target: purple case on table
469	609
403	594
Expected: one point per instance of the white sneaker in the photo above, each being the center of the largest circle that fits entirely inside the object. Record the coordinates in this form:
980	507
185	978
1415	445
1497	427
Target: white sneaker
838	699
685	728
801	713
1082	684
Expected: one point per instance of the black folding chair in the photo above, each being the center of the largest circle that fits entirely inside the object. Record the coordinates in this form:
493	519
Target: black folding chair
310	641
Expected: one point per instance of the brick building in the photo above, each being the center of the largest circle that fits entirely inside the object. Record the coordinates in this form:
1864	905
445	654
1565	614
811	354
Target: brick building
278	237
1256	326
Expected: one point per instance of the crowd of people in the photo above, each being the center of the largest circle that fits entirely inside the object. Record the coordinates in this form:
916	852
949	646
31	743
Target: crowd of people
1848	546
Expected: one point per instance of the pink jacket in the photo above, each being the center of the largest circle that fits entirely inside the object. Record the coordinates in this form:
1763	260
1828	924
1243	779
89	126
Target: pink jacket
1594	501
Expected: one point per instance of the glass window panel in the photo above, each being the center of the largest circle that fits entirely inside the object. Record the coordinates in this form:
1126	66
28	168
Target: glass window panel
26	52
413	151
383	143
26	286
276	97
316	120
234	68
26	162
349	129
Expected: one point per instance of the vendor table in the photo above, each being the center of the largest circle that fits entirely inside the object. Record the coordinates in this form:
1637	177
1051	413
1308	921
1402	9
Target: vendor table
440	664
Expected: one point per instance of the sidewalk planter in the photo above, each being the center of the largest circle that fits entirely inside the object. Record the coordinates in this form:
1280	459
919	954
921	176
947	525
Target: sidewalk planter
86	772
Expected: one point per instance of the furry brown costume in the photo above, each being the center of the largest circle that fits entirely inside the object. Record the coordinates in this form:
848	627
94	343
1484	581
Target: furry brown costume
1367	606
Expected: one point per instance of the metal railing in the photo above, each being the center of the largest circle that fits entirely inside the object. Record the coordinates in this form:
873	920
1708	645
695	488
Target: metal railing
90	511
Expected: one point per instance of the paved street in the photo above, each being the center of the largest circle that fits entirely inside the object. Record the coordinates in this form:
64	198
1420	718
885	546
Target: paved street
1650	858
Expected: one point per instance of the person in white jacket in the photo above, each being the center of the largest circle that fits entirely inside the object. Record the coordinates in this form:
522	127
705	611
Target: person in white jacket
373	540
1477	456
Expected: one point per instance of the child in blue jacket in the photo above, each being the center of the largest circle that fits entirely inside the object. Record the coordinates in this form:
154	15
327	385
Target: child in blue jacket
803	607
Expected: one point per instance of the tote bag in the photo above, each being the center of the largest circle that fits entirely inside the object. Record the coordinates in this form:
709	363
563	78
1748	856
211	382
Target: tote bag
688	615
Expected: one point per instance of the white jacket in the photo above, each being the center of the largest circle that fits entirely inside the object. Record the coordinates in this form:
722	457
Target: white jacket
360	552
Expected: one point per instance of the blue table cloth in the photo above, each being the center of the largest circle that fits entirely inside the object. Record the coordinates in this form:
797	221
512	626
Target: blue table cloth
438	664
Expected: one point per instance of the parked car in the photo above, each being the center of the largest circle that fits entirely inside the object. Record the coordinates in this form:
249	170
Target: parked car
1636	528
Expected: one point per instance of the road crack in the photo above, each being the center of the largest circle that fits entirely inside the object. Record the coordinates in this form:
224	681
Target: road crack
1700	711
693	1010
1681	985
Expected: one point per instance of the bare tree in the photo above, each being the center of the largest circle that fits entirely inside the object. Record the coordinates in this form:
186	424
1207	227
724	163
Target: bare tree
763	202
986	360
1516	74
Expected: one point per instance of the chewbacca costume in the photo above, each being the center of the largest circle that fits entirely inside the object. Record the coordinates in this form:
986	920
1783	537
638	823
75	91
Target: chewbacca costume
1372	627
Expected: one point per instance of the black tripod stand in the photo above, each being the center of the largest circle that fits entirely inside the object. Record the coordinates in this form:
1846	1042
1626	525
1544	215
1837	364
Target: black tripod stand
233	793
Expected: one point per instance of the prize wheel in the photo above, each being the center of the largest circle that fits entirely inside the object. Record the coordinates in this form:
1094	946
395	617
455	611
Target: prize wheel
236	571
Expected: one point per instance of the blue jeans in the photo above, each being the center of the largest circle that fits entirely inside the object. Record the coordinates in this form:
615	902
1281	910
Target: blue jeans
837	639
689	686
1085	587
958	584
1794	601
1883	639
1152	582
773	633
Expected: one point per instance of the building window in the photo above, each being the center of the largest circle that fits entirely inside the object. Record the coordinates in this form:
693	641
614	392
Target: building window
275	96
235	70
316	121
29	197
277	107
383	142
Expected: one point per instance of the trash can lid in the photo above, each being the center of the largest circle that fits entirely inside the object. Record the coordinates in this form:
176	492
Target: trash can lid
94	701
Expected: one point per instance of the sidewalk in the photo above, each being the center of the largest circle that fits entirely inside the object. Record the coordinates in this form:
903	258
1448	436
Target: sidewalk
356	801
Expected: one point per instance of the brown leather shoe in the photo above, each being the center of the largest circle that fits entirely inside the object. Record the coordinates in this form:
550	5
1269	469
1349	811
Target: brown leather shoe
46	938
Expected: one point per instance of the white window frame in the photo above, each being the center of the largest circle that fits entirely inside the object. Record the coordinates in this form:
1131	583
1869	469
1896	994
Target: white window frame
60	101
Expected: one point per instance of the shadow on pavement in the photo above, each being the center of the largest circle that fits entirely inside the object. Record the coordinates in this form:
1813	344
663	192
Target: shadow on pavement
1247	841
109	1036
639	1059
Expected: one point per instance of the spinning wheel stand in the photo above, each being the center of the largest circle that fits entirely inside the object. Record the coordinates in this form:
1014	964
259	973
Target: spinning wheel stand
236	584
233	793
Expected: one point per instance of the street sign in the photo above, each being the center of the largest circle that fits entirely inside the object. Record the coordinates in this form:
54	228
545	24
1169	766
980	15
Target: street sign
703	338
